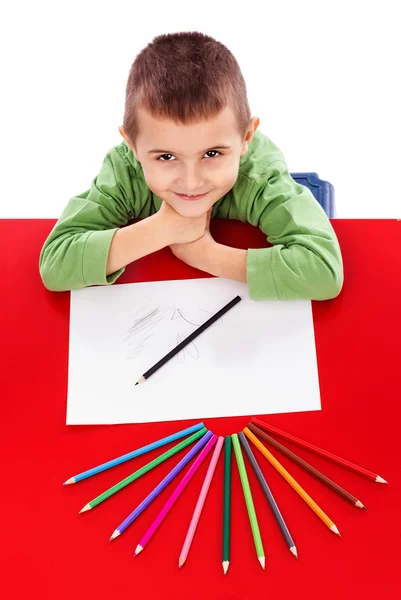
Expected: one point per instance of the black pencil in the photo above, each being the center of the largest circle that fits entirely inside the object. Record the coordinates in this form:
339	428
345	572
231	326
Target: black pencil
187	340
268	494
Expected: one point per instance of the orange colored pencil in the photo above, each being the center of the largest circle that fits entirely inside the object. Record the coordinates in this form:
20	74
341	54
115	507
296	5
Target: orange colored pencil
300	491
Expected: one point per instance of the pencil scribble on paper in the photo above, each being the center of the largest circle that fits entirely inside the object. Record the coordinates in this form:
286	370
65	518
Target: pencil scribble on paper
144	328
191	348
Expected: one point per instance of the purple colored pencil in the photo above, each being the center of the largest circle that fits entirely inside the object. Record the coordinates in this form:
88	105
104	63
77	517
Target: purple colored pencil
163	484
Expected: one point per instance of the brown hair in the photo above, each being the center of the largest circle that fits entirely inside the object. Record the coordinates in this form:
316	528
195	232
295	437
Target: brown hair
185	77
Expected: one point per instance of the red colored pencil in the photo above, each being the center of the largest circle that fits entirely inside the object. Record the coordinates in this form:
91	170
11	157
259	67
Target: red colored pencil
320	451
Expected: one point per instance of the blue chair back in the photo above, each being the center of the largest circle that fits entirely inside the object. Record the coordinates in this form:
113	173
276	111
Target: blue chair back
322	190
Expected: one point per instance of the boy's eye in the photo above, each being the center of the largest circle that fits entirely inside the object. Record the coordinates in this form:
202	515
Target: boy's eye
161	157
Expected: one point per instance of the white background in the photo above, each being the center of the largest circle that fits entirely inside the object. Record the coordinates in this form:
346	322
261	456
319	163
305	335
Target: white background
323	77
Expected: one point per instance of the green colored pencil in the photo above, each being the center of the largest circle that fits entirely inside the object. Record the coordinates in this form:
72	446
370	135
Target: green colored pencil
143	470
227	497
249	501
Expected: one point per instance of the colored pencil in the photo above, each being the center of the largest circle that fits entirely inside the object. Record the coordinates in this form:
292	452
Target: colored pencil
175	495
249	501
162	485
188	339
269	496
227	503
300	491
124	482
135	453
302	463
201	501
320	451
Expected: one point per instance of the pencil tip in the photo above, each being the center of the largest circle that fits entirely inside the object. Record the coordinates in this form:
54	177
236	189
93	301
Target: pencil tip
262	561
335	530
138	549
364	508
380	479
293	549
137	383
181	562
115	534
70	480
226	564
85	508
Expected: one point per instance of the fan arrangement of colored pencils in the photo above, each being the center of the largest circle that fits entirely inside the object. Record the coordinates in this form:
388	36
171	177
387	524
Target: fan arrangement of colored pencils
256	432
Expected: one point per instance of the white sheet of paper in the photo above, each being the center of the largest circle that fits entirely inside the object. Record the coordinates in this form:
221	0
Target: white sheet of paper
259	358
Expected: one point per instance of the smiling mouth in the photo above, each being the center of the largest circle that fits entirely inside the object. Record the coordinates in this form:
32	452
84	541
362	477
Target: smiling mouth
191	198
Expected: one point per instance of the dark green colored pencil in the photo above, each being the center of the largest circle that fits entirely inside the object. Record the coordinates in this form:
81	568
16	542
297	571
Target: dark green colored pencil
227	500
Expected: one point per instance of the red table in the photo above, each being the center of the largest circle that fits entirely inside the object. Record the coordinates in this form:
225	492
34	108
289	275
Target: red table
49	551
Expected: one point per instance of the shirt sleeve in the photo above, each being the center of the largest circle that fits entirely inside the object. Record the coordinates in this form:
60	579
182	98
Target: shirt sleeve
75	253
305	260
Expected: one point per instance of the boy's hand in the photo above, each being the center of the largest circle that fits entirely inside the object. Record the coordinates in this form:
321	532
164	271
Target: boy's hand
208	255
196	253
181	230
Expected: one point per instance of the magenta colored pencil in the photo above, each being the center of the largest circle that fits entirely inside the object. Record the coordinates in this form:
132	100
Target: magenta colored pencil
175	495
201	501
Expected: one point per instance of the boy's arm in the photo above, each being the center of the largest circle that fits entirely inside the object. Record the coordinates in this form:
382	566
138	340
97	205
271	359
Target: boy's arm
76	251
305	259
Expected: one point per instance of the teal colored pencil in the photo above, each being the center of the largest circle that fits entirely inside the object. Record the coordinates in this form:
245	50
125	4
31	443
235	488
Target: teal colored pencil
249	501
227	503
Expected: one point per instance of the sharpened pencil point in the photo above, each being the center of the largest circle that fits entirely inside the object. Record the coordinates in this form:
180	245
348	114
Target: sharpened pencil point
293	549
115	534
335	530
364	507
262	561
136	383
359	504
138	549
380	479
85	508
181	562
69	481
226	564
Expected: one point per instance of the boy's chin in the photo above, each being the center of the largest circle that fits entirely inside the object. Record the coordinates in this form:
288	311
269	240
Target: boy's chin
191	209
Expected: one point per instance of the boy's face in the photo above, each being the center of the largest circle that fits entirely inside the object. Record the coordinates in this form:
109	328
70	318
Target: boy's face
189	160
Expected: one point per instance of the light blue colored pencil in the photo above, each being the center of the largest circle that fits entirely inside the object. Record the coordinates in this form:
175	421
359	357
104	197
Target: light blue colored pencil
138	452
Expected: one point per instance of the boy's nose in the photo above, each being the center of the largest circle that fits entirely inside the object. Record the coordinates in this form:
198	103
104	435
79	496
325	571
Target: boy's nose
191	182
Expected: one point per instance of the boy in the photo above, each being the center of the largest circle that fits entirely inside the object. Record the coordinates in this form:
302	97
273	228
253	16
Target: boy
191	152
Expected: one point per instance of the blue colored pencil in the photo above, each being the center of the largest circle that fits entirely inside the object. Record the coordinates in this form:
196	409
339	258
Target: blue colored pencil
135	453
162	485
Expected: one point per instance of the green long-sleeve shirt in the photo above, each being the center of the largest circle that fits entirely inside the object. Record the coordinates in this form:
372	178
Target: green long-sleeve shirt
303	262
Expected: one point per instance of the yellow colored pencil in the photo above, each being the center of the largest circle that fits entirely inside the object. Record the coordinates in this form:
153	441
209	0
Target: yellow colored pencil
311	503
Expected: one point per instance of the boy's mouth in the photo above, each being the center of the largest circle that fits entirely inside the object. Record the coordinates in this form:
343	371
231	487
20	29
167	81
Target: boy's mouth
190	198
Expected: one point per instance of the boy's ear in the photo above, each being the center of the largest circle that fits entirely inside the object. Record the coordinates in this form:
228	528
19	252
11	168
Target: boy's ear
253	125
125	136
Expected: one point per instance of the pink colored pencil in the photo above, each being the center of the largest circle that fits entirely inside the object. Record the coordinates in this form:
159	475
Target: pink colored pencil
201	501
175	495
